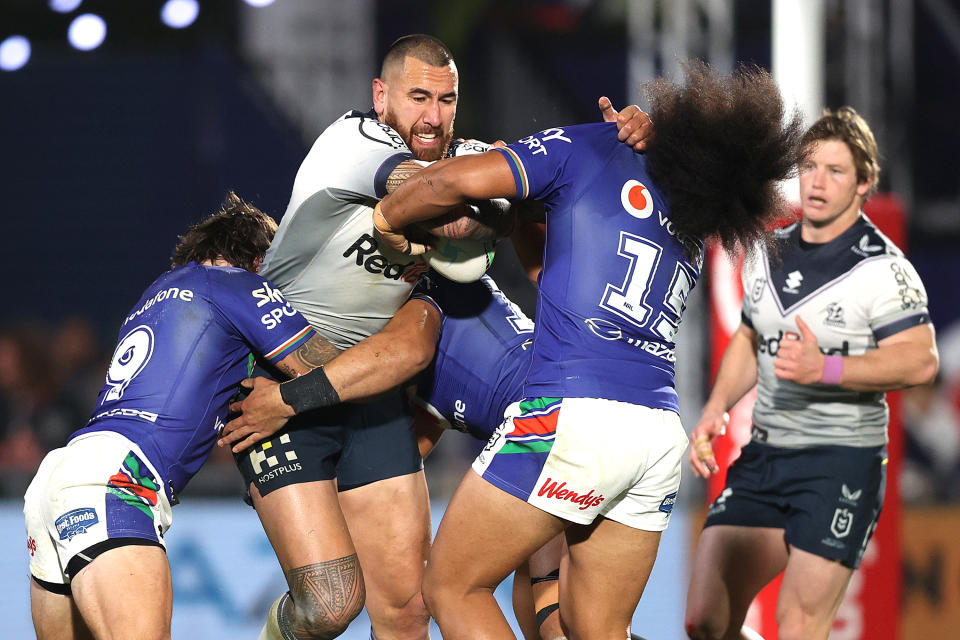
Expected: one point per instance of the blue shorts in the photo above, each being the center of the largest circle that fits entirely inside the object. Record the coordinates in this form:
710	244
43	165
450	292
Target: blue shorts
358	444
827	499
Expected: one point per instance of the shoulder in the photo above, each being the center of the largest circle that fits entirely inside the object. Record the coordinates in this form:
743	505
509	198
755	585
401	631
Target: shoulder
233	283
356	127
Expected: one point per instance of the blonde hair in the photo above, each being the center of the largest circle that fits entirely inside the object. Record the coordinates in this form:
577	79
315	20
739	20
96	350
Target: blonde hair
849	127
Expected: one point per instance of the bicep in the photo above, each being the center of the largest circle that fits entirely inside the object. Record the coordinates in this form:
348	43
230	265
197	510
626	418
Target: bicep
921	337
403	172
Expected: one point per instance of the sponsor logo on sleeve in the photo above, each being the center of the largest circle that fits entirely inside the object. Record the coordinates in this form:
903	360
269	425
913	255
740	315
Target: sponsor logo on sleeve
537	142
756	292
267	294
910	296
31	546
75	522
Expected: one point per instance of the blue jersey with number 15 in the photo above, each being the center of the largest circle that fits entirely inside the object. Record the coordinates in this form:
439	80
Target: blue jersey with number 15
616	275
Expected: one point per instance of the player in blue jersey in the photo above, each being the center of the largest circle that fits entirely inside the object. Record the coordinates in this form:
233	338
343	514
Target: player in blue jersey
98	509
594	450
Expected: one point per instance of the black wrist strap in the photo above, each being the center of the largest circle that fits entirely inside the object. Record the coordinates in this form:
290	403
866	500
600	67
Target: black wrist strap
310	391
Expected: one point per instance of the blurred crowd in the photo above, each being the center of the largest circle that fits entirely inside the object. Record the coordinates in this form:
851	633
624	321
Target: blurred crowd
50	375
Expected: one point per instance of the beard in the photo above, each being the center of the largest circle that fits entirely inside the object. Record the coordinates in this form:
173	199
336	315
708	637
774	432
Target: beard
425	154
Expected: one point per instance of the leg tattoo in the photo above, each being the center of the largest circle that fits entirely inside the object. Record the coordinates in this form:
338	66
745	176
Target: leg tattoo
324	598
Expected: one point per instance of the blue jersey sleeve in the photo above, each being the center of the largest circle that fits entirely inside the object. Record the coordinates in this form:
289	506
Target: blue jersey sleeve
259	312
538	162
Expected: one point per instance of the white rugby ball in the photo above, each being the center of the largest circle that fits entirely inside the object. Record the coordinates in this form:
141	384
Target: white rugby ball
460	260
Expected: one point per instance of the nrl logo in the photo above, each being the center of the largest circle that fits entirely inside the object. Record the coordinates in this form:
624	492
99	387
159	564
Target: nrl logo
757	292
842	523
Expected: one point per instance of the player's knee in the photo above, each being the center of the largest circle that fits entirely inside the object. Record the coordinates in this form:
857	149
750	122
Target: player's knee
325	597
409	619
317	622
437	591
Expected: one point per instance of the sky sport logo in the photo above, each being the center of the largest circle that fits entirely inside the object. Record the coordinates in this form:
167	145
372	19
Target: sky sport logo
75	522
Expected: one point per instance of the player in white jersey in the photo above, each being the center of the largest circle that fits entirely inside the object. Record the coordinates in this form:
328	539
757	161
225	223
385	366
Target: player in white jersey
832	318
330	266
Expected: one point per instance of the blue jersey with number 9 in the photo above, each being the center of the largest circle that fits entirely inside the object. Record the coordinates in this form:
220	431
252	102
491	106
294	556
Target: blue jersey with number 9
616	275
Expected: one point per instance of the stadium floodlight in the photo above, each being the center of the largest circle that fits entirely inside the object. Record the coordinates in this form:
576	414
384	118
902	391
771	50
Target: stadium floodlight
258	3
64	6
14	53
87	31
179	13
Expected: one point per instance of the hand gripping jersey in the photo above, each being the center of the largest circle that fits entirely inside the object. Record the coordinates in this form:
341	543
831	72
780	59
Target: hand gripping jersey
325	257
182	351
482	355
852	292
616	276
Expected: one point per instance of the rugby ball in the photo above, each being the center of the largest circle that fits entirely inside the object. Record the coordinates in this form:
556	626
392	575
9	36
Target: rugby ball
460	260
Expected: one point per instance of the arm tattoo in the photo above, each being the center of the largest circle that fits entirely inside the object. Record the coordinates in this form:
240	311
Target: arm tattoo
488	220
324	595
315	352
402	171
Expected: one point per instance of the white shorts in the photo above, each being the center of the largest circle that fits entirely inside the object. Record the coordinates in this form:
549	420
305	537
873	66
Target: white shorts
579	458
97	493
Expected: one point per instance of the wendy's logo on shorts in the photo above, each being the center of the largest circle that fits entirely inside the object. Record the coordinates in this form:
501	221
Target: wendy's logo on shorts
551	489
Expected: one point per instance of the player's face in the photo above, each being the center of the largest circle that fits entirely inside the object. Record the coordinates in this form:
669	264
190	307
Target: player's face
420	103
829	191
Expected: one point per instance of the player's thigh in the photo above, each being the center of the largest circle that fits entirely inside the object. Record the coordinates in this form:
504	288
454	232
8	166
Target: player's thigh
126	592
304	523
811	592
731	565
484	535
389	521
604	573
55	615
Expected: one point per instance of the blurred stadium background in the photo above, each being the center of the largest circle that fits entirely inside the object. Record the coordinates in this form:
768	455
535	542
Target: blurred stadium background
124	121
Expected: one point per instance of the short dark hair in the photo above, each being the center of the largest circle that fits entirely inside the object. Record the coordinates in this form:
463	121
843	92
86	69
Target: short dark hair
420	46
849	127
719	148
239	233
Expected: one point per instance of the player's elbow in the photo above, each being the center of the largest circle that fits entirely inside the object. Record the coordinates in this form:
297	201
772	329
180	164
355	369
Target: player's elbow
925	371
419	354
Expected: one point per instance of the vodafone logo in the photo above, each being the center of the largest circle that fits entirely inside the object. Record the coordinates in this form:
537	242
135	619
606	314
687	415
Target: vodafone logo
636	199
